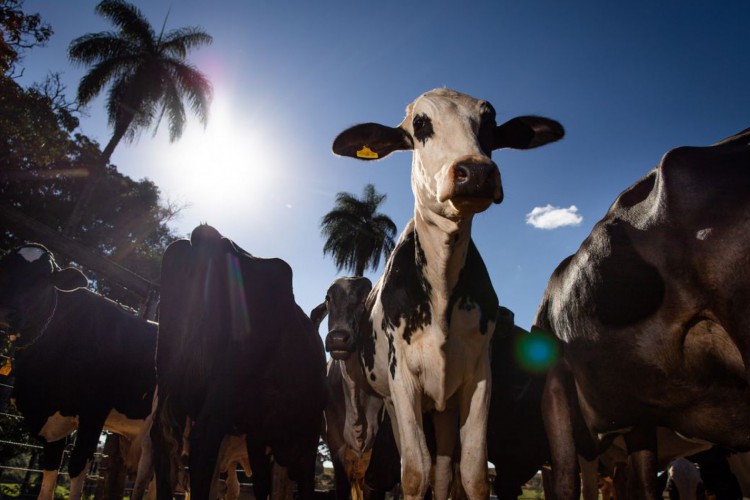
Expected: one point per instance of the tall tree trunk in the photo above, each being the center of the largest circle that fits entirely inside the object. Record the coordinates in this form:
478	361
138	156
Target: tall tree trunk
95	174
359	270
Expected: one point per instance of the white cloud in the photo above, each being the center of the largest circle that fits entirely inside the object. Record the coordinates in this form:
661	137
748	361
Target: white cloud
550	217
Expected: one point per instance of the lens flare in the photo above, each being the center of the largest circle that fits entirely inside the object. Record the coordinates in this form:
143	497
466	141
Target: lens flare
536	352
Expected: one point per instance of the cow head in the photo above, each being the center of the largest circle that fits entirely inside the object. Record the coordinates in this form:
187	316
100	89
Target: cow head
452	136
29	280
345	307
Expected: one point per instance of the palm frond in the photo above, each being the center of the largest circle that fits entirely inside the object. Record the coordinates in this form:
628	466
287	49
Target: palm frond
192	85
96	79
175	111
99	47
179	41
131	21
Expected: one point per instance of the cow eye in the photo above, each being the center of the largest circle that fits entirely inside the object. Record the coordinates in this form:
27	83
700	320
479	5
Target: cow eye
422	128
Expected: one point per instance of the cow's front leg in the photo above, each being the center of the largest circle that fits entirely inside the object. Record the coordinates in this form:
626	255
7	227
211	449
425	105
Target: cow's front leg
446	432
407	417
642	464
474	409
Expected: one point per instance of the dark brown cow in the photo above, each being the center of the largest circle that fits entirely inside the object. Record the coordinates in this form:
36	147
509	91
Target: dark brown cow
235	355
653	314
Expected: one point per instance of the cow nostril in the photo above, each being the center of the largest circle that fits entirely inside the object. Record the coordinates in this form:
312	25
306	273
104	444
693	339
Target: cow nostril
461	173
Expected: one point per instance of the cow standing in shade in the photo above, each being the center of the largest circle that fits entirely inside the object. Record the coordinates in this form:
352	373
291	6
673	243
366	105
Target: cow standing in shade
82	362
235	355
432	313
362	450
652	313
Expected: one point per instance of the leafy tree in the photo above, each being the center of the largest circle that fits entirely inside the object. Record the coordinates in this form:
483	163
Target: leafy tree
41	160
356	233
41	165
20	31
147	75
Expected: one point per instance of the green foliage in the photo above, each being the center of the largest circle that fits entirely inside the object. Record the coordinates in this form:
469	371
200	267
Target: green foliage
356	233
18	31
43	169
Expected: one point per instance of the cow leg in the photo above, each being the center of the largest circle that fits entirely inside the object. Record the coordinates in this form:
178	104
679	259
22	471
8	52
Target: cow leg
557	415
232	483
261	465
304	468
87	438
51	460
642	464
205	440
589	478
340	478
409	432
446	425
281	488
145	464
475	404
166	430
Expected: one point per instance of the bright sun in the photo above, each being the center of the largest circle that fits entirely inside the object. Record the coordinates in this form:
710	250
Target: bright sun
228	166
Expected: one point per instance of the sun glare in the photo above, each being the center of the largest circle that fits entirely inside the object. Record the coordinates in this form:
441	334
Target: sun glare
228	166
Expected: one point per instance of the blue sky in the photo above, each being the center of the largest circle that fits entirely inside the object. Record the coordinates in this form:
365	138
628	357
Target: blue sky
628	80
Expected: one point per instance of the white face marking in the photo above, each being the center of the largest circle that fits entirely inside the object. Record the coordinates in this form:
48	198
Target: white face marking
31	254
454	119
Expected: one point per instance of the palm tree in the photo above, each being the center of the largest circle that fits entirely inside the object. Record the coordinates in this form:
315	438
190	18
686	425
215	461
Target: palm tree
147	75
356	234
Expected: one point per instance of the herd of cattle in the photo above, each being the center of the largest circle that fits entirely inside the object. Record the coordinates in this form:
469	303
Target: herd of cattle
424	386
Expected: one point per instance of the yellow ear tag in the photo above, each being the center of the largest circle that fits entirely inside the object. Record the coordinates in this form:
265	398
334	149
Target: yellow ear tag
7	367
366	152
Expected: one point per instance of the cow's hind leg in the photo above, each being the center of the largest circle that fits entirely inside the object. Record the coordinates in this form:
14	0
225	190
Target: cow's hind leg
340	477
205	441
51	460
87	438
260	463
558	422
165	448
304	469
642	464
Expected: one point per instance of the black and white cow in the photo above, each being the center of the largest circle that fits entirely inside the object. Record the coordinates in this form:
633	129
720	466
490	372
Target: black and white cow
433	311
652	313
82	361
353	410
235	355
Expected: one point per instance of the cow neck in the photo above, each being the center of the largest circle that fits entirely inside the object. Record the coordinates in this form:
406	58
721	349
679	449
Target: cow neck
31	335
444	243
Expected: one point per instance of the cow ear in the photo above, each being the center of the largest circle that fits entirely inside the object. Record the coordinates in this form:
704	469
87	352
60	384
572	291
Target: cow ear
318	314
69	279
527	132
371	141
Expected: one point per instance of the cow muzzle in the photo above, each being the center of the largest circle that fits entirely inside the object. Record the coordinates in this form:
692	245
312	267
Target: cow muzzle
471	183
340	343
